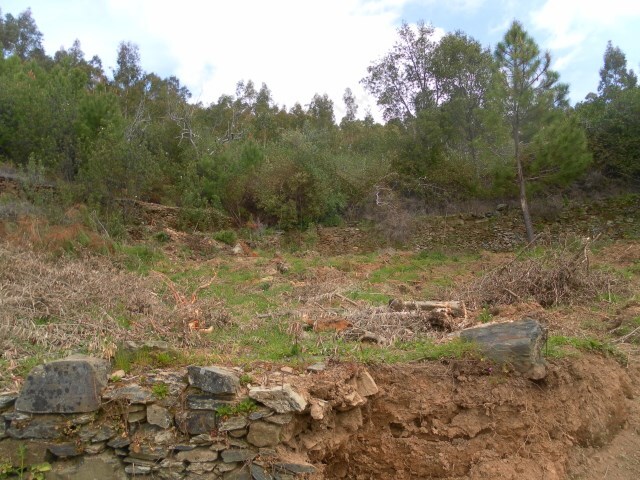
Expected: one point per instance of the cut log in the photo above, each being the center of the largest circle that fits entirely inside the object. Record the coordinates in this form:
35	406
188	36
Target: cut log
456	308
518	344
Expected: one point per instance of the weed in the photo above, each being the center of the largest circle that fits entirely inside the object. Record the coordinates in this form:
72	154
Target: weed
485	315
244	407
246	379
160	390
556	347
162	237
228	237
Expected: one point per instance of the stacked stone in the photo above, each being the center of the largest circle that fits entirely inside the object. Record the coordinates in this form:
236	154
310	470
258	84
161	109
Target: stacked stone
67	415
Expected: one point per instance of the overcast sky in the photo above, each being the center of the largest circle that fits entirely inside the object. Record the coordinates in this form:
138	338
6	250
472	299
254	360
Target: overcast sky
302	47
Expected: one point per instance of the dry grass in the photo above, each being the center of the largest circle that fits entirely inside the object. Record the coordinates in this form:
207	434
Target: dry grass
65	304
560	274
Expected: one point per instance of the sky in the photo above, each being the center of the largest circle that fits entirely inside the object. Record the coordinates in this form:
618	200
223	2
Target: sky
303	47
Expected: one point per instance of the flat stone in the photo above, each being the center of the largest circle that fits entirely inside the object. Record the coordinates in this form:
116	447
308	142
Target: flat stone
205	402
138	461
196	422
137	417
232	423
267	452
103	433
7	400
242	432
280	419
95	448
241	473
317	367
518	344
237	455
136	469
181	447
365	384
165	437
281	399
132	393
47	427
262	434
160	416
262	412
259	473
96	467
201	467
83	419
197	455
119	442
149	452
216	380
69	385
296	467
226	467
65	450
202	439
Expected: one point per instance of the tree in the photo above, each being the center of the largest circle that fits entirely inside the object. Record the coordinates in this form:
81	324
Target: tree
321	111
20	36
614	76
529	92
402	81
127	77
350	105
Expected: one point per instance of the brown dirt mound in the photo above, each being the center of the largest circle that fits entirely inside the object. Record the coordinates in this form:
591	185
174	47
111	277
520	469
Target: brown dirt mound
460	420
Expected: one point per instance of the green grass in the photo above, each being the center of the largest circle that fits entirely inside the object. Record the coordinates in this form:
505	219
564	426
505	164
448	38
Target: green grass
559	346
160	390
141	258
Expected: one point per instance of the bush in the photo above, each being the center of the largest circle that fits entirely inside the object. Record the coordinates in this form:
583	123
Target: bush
226	236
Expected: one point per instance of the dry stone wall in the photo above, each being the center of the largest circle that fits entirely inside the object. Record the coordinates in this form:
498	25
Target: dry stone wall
74	419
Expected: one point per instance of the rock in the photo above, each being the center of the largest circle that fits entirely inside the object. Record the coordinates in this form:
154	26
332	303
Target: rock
131	393
165	437
261	412
202	439
135	469
237	455
196	422
103	433
69	385
501	207
35	451
267	452
240	433
120	442
518	344
65	450
201	468
205	402
160	416
280	419
216	380
351	400
237	249
48	427
365	385
259	473
98	467
288	370
95	448
241	473
232	423
197	455
117	375
137	417
151	453
317	367
262	434
319	408
296	467
226	467
7	400
281	399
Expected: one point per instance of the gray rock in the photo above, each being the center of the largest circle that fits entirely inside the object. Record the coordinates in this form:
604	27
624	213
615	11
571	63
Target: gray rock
267	452
120	442
150	453
103	433
139	461
131	393
241	473
226	467
160	416
137	417
65	450
82	419
201	468
280	419
237	455
197	455
518	344
262	412
263	434
35	451
232	423
317	367
47	427
259	473
295	467
216	380
242	432
7	400
98	467
135	469
202	439
281	399
196	422
205	402
70	385
165	437
95	448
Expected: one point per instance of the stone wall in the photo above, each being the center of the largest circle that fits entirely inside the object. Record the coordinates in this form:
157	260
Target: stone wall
75	419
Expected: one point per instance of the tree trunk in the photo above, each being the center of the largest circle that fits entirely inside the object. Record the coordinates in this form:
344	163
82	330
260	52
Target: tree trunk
528	225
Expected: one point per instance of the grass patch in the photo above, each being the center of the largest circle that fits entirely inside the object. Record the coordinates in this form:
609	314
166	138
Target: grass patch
559	346
228	237
141	258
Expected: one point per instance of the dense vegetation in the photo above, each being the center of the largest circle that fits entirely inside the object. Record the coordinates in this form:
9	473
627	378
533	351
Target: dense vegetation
461	122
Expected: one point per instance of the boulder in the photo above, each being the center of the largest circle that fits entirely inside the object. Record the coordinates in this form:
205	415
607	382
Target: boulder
518	344
281	399
69	385
216	380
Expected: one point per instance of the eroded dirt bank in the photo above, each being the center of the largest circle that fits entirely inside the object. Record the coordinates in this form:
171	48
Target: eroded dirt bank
461	419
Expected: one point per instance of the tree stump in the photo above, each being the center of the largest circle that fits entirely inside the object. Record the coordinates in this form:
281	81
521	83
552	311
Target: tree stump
518	344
